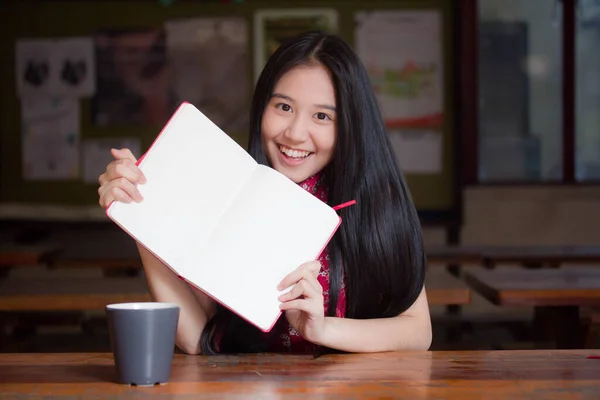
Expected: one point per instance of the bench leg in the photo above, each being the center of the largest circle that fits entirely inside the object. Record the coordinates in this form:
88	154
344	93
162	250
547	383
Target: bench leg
593	332
558	324
453	239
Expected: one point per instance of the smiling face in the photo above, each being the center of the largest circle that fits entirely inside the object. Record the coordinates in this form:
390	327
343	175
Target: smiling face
299	123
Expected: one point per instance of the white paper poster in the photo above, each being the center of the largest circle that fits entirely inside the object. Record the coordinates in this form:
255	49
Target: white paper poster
403	55
418	151
208	58
33	67
96	155
55	67
75	67
50	138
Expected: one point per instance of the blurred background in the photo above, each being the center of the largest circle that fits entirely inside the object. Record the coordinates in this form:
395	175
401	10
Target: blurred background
492	107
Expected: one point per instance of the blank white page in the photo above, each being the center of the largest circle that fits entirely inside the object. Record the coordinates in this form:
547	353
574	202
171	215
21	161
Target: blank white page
194	171
272	228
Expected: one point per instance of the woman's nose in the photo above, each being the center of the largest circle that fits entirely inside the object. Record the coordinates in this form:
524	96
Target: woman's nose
297	131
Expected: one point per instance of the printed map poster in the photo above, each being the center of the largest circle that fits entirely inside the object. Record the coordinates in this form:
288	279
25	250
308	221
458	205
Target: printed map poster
208	59
273	27
402	52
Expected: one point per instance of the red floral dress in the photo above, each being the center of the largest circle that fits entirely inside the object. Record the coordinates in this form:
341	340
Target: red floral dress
284	338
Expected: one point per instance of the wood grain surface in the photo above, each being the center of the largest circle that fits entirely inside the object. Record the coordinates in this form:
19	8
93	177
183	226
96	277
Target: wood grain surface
425	375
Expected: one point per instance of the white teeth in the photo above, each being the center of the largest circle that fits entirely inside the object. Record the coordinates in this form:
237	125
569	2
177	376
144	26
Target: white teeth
293	153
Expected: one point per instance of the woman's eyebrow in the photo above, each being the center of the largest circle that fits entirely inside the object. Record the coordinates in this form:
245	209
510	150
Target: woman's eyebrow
327	106
282	96
288	98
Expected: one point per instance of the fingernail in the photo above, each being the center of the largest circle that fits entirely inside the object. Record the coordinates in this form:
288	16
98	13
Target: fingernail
143	179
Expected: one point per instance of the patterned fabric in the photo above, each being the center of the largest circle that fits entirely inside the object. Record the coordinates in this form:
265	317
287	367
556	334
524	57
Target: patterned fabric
285	339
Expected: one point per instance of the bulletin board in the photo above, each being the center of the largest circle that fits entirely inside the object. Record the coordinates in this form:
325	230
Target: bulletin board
434	191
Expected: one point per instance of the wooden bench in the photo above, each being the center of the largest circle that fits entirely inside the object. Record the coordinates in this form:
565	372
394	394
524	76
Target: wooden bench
117	254
541	256
27	304
534	256
13	255
107	249
455	255
110	262
69	294
555	294
444	289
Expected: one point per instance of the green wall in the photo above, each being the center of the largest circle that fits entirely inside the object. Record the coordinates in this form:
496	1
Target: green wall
32	19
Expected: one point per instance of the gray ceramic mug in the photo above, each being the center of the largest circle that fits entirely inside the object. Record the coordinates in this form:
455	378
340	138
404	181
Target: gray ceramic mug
142	337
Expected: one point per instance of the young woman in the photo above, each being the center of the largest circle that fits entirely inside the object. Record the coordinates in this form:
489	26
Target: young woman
316	120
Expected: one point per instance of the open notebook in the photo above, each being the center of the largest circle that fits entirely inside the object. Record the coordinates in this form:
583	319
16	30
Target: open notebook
229	226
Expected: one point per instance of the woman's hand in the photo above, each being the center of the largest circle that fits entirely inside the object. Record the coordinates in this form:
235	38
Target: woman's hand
120	180
303	304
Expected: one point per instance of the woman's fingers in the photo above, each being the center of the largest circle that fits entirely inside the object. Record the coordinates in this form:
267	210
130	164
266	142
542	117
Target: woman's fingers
129	188
119	181
123	154
308	271
122	166
111	190
300	305
122	169
302	289
306	294
112	193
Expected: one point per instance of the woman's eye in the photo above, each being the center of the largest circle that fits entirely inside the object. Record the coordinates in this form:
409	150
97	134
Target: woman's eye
284	107
322	116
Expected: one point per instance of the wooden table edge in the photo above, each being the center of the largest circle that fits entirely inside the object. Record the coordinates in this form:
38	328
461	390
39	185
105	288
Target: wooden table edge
518	297
81	302
67	302
109	263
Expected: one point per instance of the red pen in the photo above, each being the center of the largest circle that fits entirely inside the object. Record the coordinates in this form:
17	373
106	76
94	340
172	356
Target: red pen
596	357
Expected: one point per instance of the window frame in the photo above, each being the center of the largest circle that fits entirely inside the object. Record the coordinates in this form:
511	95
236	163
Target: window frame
468	16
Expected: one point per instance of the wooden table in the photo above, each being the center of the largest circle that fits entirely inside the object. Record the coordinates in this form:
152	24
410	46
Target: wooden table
544	287
424	375
79	294
555	294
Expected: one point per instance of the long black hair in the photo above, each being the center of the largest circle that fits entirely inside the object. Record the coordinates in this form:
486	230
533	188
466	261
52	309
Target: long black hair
378	249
